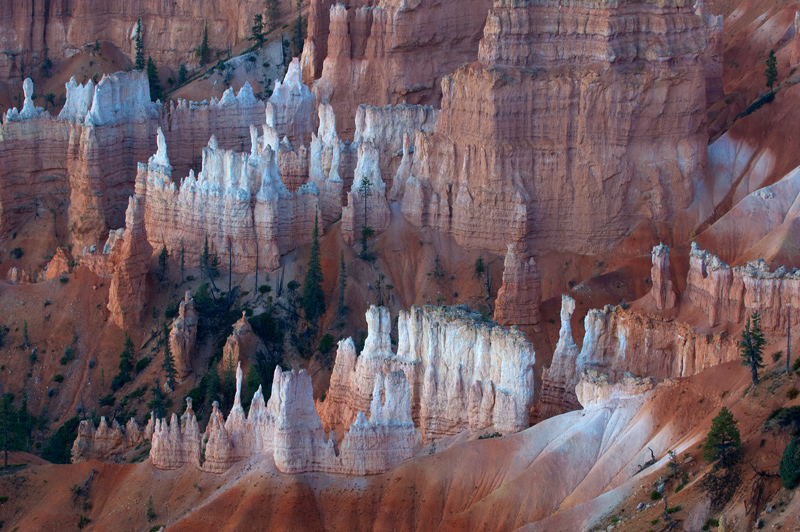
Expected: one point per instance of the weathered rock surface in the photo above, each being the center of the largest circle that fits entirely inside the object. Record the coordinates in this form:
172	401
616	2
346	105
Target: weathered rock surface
130	254
289	428
560	378
519	297
595	389
104	442
795	54
183	335
387	54
662	291
237	202
294	107
367	181
240	345
325	160
714	287
486	381
60	264
541	142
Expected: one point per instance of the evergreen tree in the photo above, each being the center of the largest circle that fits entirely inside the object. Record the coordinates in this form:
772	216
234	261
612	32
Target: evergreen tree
342	284
313	295
152	79
126	357
771	71
789	469
212	386
169	363
183	252
162	263
365	189
752	345
139	47
298	36
203	51
723	441
273	14
158	403
204	258
182	73
258	30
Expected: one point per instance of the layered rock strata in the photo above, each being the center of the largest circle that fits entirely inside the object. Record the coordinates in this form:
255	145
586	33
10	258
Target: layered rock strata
288	428
366	201
559	379
130	254
324	165
519	296
463	373
294	107
662	291
237	202
183	335
386	54
108	443
731	295
595	388
541	142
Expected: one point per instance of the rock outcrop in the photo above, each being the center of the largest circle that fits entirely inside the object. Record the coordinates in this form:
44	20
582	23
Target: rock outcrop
662	291
519	296
324	164
387	54
131	253
237	202
550	139
59	265
486	381
289	428
240	345
104	442
294	107
794	58
595	389
367	196
183	335
560	378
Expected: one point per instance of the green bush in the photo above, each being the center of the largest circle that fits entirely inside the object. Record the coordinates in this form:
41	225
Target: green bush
789	469
108	400
141	364
792	393
58	447
17	253
655	495
266	289
326	344
59	378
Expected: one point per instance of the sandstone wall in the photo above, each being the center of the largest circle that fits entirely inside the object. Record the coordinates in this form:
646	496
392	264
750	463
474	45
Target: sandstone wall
577	122
662	291
104	442
387	53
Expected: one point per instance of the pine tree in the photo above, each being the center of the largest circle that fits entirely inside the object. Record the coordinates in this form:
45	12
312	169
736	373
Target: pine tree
273	14
298	31
752	345
152	78
126	357
789	469
169	364
364	189
203	51
313	295
139	47
162	262
342	284
183	253
258	29
182	73
723	441
204	258
158	404
771	71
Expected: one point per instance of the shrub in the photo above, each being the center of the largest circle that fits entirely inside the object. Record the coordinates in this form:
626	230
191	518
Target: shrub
655	495
151	512
266	289
108	400
673	509
63	280
141	364
17	253
58	447
792	393
789	469
777	356
59	378
326	344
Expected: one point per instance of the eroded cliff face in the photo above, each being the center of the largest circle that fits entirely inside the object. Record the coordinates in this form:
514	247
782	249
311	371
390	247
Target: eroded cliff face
554	140
294	107
240	345
463	374
288	427
519	296
366	201
108	443
388	52
130	254
731	295
31	31
559	379
662	291
237	202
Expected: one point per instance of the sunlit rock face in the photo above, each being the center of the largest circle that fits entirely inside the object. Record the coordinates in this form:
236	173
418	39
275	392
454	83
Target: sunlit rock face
662	291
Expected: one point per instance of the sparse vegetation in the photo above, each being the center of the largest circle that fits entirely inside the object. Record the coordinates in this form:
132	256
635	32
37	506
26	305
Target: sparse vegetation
771	70
203	51
751	347
313	296
139	46
58	378
723	441
151	512
789	468
156	91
